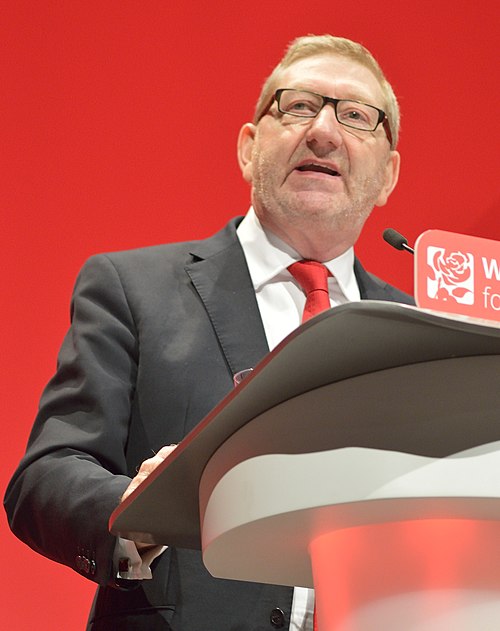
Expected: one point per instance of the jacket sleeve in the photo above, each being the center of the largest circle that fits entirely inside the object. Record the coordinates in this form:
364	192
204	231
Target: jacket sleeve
74	471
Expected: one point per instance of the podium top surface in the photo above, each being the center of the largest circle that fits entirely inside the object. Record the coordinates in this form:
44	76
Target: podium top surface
343	343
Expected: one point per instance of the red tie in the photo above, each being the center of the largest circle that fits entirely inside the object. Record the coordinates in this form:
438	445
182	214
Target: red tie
312	276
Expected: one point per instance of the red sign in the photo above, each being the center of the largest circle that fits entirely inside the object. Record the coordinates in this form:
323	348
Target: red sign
457	273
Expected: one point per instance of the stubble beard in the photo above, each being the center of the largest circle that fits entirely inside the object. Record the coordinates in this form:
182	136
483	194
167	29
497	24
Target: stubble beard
343	212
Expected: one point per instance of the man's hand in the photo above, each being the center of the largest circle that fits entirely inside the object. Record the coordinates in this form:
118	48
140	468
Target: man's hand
146	468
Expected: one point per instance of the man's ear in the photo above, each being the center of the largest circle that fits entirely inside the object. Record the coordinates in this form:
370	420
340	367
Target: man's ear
246	139
391	178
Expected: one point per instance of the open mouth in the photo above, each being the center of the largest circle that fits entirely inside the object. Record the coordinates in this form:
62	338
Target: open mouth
318	168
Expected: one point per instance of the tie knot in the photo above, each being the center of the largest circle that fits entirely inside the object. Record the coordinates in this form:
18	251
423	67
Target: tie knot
312	276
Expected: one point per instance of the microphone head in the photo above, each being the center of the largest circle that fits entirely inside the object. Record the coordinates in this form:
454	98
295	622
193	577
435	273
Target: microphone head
395	239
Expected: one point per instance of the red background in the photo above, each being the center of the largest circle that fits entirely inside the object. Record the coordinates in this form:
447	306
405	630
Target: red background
96	157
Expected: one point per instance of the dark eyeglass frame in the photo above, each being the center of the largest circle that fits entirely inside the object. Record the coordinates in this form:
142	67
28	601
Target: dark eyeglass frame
382	116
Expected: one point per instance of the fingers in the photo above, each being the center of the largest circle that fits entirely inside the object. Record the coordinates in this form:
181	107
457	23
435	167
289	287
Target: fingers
164	452
147	467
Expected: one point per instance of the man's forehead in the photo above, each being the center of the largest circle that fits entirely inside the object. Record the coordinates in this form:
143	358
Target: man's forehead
329	72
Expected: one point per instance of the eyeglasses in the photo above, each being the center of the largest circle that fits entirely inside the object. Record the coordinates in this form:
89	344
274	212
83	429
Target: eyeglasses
349	113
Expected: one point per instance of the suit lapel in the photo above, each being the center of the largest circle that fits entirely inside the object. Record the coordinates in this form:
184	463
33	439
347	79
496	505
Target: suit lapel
220	275
373	288
370	287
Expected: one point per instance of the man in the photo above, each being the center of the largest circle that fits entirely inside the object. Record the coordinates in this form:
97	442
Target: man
158	333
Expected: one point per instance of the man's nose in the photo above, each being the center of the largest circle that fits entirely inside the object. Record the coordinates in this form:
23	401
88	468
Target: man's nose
324	133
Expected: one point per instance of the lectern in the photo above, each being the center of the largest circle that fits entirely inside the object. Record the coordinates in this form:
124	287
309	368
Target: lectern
361	457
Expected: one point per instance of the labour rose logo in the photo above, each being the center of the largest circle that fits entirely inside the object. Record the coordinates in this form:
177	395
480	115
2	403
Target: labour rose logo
451	276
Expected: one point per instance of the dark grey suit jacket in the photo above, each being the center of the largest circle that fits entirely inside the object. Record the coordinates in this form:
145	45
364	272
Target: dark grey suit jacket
156	335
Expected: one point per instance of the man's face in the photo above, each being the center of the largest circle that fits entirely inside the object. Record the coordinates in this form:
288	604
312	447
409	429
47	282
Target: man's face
316	174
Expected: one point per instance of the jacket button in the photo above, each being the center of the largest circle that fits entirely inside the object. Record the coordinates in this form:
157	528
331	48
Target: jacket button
277	618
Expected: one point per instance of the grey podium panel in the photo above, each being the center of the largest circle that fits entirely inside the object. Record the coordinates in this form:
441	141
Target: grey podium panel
440	406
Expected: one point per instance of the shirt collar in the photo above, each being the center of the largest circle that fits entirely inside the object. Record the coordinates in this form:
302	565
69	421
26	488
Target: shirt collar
268	257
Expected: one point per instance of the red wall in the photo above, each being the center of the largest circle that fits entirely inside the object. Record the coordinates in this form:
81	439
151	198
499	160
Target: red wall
93	159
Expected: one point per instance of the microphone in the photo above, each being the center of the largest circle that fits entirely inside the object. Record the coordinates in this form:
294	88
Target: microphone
397	240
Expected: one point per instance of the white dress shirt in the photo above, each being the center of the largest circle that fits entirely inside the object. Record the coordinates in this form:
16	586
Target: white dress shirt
281	302
279	297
